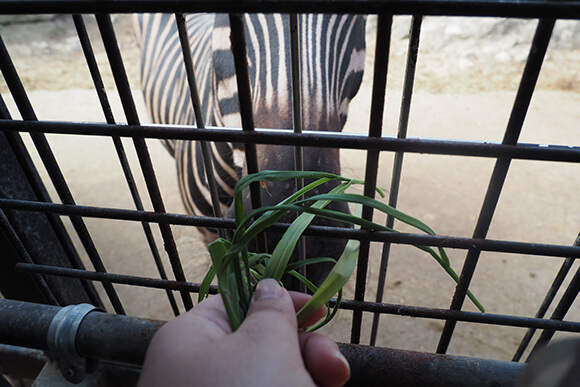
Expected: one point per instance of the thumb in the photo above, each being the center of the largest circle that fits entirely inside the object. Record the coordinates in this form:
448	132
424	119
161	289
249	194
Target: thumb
271	312
269	340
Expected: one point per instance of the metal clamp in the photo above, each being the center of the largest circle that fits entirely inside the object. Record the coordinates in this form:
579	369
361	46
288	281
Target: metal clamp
61	339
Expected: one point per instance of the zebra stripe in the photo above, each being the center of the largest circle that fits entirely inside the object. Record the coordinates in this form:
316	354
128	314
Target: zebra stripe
332	53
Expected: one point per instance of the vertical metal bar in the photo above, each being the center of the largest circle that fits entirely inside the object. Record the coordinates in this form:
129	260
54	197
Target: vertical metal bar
375	128
112	48
513	130
562	273
108	112
53	169
415	32
238	39
16	243
296	86
35	182
193	90
559	312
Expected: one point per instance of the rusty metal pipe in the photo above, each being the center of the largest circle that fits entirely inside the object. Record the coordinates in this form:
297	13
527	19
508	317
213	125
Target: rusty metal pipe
373	366
100	335
124	339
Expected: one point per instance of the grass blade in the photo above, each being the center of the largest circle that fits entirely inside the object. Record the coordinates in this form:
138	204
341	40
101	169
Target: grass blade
337	278
284	249
236	268
205	284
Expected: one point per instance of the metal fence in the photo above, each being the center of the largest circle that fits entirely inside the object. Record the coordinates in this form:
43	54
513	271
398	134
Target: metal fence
49	253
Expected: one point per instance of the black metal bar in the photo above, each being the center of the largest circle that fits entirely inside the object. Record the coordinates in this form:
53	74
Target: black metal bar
569	9
100	335
27	184
413	50
560	311
199	120
122	82
550	295
19	287
52	167
383	41
93	67
114	278
36	184
513	130
373	307
108	112
123	339
239	50
459	315
343	233
22	363
120	214
526	151
371	366
477	244
295	85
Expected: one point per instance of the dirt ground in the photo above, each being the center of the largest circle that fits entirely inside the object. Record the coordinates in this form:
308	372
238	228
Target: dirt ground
467	74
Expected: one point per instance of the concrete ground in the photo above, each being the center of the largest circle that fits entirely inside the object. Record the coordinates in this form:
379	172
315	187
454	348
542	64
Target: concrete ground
538	204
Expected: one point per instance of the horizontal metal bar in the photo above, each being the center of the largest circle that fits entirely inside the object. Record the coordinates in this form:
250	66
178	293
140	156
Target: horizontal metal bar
21	362
125	339
375	366
315	139
363	306
506	8
25	363
99	336
53	169
561	309
118	214
462	316
333	232
114	278
548	299
494	189
120	148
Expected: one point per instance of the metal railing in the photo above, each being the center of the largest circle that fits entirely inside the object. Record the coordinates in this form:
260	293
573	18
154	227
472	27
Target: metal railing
51	272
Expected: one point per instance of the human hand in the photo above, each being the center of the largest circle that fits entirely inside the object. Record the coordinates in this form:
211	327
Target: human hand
199	347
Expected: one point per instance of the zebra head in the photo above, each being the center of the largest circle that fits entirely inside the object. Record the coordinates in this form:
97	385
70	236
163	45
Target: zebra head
332	52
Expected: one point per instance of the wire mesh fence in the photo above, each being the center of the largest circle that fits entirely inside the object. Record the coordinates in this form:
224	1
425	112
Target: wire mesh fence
91	210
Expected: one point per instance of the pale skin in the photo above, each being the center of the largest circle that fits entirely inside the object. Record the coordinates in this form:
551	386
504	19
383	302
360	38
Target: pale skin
198	348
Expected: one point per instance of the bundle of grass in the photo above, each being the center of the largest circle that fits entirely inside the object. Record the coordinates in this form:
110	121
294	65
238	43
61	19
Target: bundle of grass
238	270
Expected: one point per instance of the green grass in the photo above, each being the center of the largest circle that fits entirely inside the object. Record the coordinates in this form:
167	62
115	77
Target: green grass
238	270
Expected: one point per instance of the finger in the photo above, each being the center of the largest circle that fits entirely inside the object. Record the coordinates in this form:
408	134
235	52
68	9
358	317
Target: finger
271	313
180	340
299	300
323	360
209	312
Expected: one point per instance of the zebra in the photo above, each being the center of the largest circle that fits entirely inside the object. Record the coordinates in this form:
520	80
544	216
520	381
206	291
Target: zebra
332	52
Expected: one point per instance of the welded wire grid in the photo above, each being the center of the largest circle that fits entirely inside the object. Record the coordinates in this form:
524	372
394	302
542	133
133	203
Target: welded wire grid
149	212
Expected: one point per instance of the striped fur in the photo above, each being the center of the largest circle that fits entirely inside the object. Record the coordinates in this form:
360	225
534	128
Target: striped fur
332	62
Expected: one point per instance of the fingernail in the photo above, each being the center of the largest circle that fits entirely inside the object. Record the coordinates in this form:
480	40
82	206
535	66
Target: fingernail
268	288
